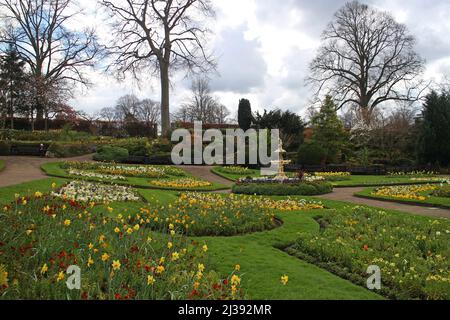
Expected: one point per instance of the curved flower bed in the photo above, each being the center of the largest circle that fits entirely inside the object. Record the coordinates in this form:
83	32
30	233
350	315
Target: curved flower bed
411	192
119	259
181	183
126	170
88	174
87	192
411	253
282	189
199	214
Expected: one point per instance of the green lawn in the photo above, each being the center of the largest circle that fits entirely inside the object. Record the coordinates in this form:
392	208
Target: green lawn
430	201
353	181
54	169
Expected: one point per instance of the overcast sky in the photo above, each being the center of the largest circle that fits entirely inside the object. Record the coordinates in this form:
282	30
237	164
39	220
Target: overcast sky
263	48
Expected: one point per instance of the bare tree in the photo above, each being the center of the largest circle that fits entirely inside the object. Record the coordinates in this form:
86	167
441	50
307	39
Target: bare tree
366	59
107	114
127	107
56	56
160	35
202	105
149	112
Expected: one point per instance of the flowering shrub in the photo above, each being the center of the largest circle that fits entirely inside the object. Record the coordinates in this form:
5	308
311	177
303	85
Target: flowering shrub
201	214
88	174
119	258
412	192
86	192
412	254
181	183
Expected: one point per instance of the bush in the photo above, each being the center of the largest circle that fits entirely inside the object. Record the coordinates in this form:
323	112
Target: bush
278	189
111	154
311	154
72	149
5	148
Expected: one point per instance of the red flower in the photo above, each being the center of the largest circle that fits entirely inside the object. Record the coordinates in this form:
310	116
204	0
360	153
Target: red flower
366	247
225	282
84	296
118	296
216	286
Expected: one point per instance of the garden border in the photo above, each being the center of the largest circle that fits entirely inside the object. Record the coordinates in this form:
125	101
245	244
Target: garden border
413	203
149	187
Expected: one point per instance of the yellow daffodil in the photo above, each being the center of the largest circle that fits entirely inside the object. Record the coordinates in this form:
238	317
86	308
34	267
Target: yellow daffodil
60	277
67	222
284	280
175	256
105	257
90	261
44	269
150	280
116	265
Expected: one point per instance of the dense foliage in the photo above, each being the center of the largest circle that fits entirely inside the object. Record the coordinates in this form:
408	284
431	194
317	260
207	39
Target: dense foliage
433	144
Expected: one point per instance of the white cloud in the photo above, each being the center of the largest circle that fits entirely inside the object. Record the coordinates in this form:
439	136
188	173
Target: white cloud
264	48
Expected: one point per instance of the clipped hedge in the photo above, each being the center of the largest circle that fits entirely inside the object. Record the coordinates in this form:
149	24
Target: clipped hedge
279	189
111	154
69	149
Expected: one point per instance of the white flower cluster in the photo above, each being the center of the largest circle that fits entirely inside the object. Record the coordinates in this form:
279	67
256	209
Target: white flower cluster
89	174
84	191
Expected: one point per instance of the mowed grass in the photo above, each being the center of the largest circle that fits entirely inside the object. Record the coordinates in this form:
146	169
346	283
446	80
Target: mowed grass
55	170
430	201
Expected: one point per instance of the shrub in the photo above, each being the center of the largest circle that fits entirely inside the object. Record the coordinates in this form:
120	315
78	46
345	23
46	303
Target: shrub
278	189
111	154
5	148
72	149
311	154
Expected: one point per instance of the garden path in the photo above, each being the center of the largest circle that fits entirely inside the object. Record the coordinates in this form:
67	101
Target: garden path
204	172
347	195
20	169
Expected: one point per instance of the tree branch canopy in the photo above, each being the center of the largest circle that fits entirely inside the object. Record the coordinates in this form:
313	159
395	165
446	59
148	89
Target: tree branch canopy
37	29
160	36
367	58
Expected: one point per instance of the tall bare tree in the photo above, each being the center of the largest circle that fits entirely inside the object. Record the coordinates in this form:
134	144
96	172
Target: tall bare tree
367	59
163	36
202	105
56	55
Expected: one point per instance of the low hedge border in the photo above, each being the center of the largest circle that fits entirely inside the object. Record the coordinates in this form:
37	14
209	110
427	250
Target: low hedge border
277	189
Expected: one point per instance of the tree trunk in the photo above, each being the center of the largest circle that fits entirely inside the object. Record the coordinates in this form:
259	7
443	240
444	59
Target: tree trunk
11	114
165	99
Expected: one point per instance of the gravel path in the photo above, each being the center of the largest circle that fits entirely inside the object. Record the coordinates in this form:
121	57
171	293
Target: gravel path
347	195
204	172
24	169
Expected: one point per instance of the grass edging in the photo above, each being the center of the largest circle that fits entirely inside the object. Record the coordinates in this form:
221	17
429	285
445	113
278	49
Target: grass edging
220	174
